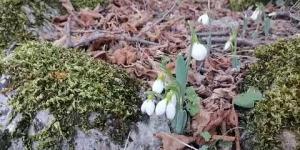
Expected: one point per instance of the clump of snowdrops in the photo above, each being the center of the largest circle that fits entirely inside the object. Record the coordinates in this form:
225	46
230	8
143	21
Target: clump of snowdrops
174	99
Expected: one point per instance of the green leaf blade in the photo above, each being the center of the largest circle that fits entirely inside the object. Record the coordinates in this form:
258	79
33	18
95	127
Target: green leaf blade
181	73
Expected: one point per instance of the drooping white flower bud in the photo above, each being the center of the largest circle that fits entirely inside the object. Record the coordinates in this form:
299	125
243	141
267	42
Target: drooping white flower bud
161	107
227	45
158	84
143	107
174	99
199	51
150	107
170	111
256	14
204	19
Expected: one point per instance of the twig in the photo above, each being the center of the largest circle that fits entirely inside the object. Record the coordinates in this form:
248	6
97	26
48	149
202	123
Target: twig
126	143
240	41
181	142
223	137
98	35
219	33
159	20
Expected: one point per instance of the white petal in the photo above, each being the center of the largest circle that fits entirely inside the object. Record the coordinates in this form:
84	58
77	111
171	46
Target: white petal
158	86
199	51
161	107
255	14
174	99
150	107
170	111
227	45
143	107
204	19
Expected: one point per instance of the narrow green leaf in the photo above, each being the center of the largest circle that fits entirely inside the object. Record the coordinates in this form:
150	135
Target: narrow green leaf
235	61
179	122
181	73
267	25
206	135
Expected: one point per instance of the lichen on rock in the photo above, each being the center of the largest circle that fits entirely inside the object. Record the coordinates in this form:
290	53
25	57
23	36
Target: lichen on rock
72	86
277	74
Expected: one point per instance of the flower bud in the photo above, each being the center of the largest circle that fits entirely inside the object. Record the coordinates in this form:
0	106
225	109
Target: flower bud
204	19
170	111
256	14
161	107
227	45
199	51
150	107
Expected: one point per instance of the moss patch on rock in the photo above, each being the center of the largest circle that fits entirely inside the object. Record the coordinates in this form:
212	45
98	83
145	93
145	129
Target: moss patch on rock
14	22
72	86
88	3
277	73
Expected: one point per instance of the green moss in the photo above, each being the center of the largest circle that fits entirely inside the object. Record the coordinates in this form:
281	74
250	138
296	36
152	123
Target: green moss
71	85
277	73
88	3
14	24
244	4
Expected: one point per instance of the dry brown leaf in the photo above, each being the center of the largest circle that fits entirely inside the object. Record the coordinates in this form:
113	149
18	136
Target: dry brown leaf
172	141
200	121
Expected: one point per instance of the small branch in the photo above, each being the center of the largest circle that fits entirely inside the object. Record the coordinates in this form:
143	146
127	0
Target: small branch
99	35
126	143
240	41
219	33
181	142
224	138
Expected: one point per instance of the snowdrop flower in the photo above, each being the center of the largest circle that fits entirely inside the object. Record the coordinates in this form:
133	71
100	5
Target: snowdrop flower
170	111
158	85
204	19
148	106
227	45
161	107
199	51
256	14
174	99
167	105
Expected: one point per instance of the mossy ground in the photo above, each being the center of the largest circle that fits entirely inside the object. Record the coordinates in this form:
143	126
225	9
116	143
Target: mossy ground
239	5
88	3
71	85
277	73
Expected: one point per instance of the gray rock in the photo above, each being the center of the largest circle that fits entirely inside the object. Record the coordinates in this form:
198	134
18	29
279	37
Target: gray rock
289	140
41	122
93	140
143	139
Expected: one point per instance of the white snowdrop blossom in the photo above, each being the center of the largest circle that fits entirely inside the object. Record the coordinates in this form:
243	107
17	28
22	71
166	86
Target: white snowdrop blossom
148	105
161	107
170	111
158	84
256	14
227	45
204	19
174	99
199	51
